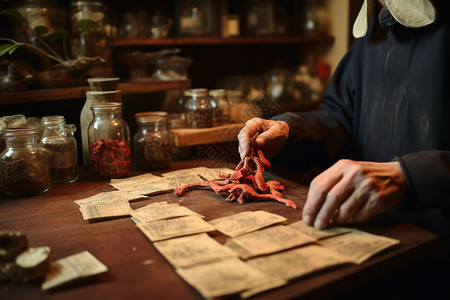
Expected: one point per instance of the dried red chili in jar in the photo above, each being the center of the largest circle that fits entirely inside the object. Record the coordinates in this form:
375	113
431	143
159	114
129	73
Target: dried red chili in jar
109	141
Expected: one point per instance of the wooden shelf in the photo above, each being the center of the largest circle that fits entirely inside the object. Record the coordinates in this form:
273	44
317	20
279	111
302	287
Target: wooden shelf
139	87
248	40
191	137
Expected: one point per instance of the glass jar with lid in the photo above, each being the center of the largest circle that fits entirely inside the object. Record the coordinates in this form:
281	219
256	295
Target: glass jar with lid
152	144
89	35
86	116
58	140
178	121
24	164
221	111
198	109
109	141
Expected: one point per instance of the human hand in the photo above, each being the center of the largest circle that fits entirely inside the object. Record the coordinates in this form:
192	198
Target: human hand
271	139
353	191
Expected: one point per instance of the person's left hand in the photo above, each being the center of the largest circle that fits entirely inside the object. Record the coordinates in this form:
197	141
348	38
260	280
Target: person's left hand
353	191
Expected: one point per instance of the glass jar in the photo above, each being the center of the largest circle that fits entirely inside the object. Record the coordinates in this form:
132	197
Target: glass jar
24	164
89	34
221	111
177	121
152	143
86	117
109	141
59	141
198	109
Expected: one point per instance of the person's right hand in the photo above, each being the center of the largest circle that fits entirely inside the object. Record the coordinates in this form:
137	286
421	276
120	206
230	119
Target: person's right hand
271	139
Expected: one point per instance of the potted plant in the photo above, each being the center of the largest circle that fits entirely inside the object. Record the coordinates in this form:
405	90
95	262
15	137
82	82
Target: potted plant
61	70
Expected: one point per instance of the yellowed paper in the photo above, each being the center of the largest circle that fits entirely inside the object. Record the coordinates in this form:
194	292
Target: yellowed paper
206	173
106	197
358	246
165	229
105	210
159	212
192	250
224	277
76	266
297	262
271	239
150	184
316	233
245	222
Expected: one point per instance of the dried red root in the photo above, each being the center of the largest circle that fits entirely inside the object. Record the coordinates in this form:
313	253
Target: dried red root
245	181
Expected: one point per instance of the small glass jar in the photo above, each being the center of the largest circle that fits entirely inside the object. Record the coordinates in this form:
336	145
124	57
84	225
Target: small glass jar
59	141
178	121
152	144
198	109
89	34
221	111
24	164
109	141
86	116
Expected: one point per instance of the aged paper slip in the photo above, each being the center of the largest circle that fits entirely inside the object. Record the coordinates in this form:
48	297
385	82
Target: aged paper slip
245	222
297	262
165	229
271	240
206	173
105	210
150	213
73	267
224	277
108	197
192	250
358	246
150	184
316	233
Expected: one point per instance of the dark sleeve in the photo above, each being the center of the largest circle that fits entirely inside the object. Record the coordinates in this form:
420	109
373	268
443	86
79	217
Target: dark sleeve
319	138
427	176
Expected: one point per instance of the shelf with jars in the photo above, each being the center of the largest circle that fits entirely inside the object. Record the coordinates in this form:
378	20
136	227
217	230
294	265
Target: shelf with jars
80	91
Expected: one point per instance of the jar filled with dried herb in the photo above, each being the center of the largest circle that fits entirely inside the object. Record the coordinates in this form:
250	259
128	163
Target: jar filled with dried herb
221	110
198	109
24	164
109	141
58	140
152	144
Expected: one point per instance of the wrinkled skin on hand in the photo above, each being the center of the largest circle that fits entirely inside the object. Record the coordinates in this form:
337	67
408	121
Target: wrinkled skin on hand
353	191
272	136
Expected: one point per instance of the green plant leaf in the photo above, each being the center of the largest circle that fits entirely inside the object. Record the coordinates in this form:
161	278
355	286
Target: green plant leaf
15	14
56	35
8	48
86	26
41	30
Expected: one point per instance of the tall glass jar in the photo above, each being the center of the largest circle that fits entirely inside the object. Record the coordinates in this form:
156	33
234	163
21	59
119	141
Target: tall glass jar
59	141
24	164
152	143
198	109
221	111
86	117
89	36
109	141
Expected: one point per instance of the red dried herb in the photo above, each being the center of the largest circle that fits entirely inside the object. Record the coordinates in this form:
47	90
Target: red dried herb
111	158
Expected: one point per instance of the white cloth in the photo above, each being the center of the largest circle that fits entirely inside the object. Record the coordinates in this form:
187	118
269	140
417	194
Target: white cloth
409	13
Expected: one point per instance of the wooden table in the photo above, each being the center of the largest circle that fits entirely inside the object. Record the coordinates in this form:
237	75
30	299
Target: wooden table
138	271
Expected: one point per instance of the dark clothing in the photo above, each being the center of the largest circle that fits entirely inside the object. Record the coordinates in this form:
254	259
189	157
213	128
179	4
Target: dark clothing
388	99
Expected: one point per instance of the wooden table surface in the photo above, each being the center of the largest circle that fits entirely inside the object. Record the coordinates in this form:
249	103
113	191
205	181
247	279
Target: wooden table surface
138	271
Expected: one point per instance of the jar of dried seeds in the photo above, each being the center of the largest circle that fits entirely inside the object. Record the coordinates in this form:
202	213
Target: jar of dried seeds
58	140
198	109
152	144
24	164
